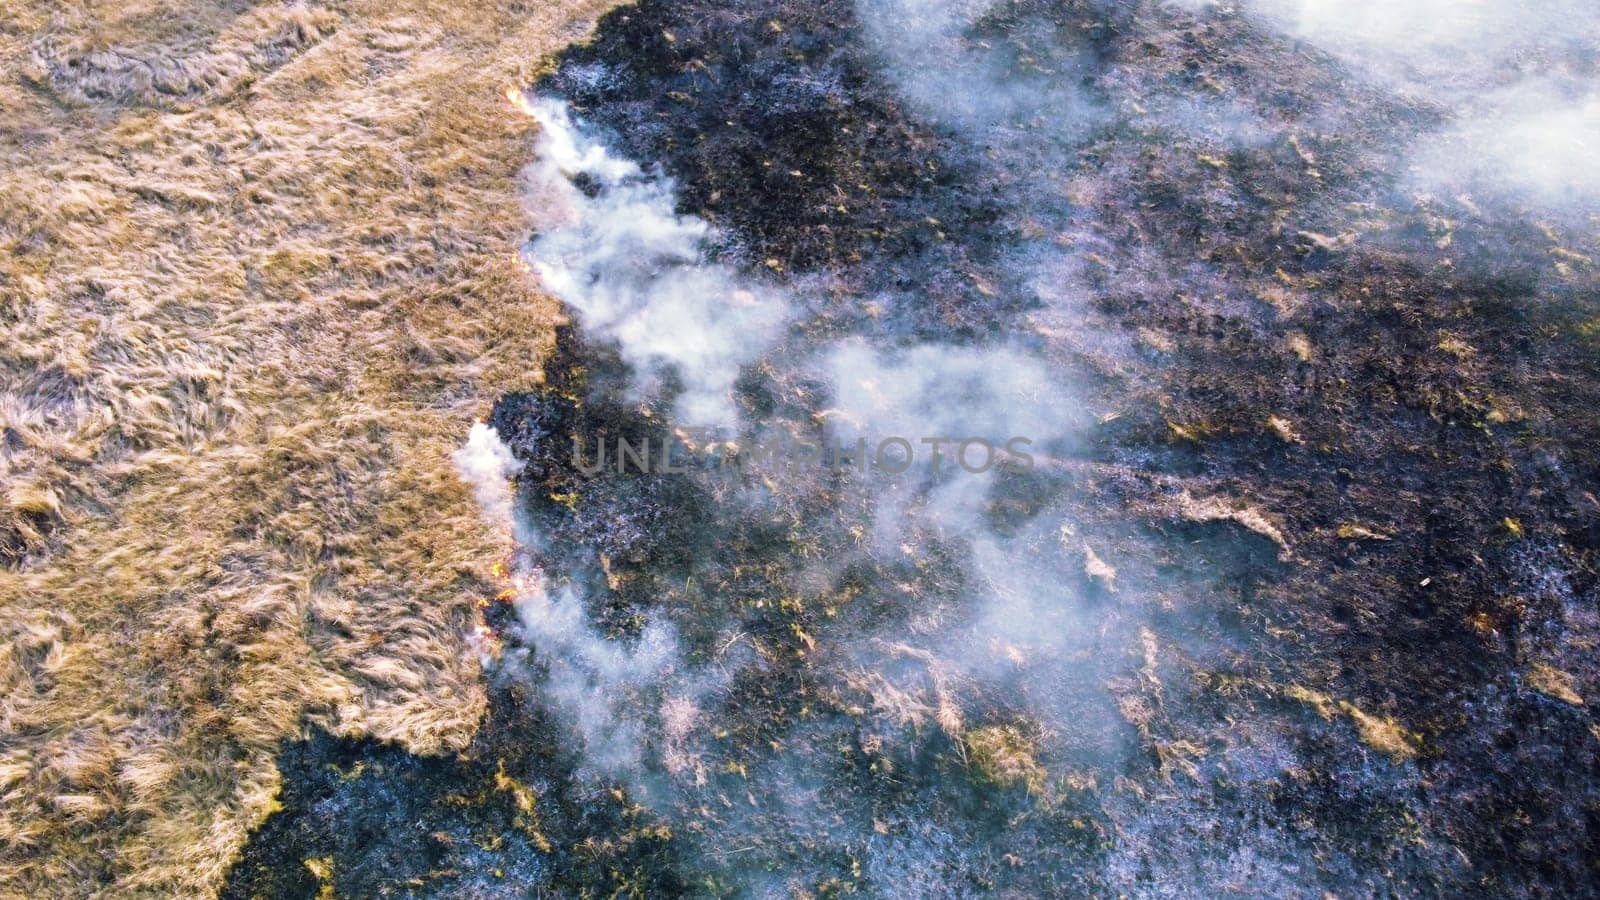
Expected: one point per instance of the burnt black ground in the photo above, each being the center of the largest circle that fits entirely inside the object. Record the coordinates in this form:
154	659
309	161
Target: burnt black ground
1440	503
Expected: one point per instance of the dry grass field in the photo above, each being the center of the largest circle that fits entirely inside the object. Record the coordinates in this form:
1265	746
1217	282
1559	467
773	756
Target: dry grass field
257	279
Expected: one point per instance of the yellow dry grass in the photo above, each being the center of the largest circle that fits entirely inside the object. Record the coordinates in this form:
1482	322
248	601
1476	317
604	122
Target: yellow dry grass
257	278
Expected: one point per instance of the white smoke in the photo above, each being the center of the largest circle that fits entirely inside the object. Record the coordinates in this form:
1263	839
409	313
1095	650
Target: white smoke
996	395
641	275
602	685
599	685
956	80
1516	77
1529	143
933	390
486	463
937	398
1444	49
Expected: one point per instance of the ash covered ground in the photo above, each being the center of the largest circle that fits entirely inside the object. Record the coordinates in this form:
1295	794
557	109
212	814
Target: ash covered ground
1298	308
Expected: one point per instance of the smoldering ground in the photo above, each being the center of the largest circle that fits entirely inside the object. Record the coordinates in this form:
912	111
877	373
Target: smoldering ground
1294	600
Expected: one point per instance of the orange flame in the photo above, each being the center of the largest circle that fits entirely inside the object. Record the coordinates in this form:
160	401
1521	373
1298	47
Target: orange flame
520	101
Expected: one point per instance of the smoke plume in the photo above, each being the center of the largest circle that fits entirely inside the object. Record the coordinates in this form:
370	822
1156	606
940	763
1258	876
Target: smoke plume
643	276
